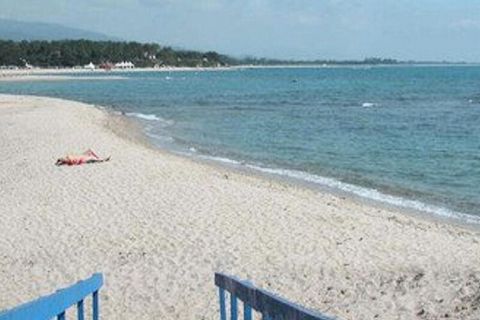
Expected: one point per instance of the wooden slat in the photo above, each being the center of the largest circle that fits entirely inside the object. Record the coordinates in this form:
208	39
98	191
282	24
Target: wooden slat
247	312
95	306
80	312
223	310
53	305
233	307
265	302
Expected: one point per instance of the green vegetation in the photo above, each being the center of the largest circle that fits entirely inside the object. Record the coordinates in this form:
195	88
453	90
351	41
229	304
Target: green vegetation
70	53
267	62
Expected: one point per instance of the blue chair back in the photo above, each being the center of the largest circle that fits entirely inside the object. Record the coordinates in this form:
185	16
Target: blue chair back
56	304
270	306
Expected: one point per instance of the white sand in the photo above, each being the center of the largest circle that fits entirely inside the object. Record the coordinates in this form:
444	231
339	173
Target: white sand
48	77
50	74
158	226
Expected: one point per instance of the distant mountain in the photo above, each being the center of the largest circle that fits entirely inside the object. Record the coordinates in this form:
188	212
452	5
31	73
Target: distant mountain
19	30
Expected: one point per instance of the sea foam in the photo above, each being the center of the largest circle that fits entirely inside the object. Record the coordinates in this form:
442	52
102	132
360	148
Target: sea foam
151	117
371	194
362	192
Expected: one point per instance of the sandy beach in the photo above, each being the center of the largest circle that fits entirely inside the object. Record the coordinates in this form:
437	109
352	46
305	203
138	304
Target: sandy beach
158	226
50	77
61	74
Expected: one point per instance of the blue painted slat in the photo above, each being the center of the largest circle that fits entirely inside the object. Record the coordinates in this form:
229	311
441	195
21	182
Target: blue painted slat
80	312
264	302
233	307
223	311
95	306
247	312
51	306
61	316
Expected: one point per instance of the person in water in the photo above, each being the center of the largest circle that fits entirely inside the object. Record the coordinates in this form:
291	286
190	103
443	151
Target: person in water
87	157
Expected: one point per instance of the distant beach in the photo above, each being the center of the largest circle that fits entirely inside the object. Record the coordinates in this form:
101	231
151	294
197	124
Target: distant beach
159	225
57	74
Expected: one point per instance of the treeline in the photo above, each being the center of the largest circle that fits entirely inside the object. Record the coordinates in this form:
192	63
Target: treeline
70	53
366	61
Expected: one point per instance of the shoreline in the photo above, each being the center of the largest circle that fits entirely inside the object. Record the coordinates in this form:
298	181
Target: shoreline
455	218
411	207
158	225
65	74
469	221
69	73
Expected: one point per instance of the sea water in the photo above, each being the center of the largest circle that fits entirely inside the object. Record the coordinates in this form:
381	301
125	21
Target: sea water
404	135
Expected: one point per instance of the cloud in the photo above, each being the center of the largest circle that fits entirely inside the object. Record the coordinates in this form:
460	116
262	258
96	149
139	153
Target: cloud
156	3
466	24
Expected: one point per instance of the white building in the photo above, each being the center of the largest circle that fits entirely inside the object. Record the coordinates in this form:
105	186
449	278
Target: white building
124	65
89	66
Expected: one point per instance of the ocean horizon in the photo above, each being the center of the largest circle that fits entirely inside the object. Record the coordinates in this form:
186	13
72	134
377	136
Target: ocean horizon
402	135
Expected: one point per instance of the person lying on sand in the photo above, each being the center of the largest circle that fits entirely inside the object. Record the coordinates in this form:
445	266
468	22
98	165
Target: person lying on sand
87	157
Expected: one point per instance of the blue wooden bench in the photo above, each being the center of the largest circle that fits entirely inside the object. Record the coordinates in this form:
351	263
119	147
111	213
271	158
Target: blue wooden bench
270	306
56	304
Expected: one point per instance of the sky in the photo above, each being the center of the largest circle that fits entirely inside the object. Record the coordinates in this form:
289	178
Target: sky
286	29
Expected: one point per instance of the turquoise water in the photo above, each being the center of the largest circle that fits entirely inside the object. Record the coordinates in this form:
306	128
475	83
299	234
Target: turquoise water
408	136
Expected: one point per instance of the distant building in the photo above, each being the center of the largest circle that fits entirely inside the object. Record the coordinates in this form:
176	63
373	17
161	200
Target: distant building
4	67
107	66
26	64
89	66
124	65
